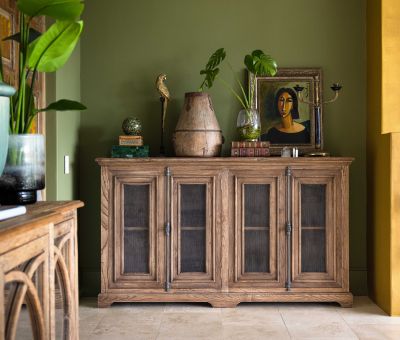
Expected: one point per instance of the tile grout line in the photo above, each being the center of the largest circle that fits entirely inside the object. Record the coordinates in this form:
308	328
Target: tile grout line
340	315
162	317
284	322
97	324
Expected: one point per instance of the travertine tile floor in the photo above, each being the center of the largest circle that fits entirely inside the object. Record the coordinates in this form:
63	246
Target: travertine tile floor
247	321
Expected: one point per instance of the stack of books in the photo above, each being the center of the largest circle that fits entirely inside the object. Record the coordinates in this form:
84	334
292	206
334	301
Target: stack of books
130	147
250	149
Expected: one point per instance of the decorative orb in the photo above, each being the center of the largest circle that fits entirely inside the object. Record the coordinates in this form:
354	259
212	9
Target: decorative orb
132	126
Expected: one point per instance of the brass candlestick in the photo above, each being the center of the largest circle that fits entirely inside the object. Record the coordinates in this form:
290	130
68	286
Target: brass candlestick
317	110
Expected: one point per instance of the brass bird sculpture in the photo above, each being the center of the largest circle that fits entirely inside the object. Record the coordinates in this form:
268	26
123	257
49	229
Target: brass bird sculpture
164	93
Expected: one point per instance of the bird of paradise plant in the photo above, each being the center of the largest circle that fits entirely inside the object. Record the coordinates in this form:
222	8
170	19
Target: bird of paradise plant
42	52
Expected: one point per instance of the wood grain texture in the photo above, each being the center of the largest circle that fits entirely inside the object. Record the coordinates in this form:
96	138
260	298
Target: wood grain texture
122	266
226	299
106	195
300	162
208	277
38	246
225	280
333	244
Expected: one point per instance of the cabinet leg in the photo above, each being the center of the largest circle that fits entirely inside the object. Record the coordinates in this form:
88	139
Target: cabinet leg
346	301
223	304
346	304
103	303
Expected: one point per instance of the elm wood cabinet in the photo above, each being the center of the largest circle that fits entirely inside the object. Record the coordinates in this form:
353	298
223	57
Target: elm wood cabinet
224	230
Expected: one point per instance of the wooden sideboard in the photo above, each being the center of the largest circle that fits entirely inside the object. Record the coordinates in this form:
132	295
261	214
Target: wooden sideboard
225	230
38	273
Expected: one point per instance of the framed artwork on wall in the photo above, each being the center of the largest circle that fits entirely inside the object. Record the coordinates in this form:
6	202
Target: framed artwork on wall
285	120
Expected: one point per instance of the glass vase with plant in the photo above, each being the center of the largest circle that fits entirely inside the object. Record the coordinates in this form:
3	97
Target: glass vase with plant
259	64
37	52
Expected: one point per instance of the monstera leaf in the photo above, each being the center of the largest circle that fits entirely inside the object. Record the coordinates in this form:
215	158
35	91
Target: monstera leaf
216	58
210	76
56	9
260	64
51	51
211	70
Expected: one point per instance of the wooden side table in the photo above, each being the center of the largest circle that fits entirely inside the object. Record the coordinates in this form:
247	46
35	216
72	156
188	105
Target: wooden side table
38	272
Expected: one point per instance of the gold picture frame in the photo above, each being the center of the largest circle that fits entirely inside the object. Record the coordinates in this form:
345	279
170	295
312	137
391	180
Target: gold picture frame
265	101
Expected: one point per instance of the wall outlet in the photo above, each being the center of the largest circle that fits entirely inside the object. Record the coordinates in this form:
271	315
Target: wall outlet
66	164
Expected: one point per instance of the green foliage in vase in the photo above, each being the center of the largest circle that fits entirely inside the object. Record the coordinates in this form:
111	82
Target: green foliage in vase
211	70
257	63
248	132
45	52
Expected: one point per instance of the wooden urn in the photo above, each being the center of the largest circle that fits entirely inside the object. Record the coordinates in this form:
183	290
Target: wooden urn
197	133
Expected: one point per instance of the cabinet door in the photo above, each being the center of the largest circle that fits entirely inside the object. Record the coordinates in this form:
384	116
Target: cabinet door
318	224
258	239
193	234
138	224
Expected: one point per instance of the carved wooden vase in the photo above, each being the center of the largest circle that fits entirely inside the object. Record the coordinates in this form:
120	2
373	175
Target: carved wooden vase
197	133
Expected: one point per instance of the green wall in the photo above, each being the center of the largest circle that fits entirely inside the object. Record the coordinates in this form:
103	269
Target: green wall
62	130
126	44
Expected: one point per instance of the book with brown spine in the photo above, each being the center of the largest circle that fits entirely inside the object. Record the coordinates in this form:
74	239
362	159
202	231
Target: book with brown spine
250	152
255	144
131	140
250	149
261	152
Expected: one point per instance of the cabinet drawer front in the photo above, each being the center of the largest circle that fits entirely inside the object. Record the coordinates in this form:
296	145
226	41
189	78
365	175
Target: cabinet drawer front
258	237
317	230
193	236
138	232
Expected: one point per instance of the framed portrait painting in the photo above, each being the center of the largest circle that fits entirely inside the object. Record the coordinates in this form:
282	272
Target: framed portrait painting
286	119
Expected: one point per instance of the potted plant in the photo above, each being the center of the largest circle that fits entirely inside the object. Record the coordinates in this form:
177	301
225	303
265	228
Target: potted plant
38	52
197	133
258	64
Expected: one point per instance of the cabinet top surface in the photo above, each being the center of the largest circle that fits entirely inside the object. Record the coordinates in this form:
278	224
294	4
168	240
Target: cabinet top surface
38	214
225	160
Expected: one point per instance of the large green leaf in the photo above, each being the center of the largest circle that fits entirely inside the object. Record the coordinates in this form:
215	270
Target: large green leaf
64	105
57	9
49	52
260	64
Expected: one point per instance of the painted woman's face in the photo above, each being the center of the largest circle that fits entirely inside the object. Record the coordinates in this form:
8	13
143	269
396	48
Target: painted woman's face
285	104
